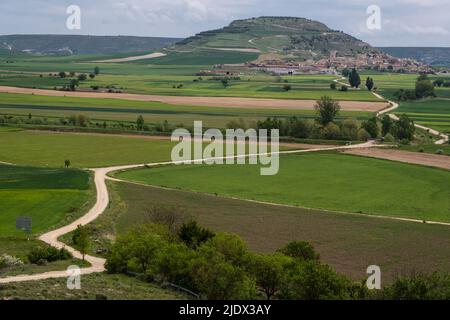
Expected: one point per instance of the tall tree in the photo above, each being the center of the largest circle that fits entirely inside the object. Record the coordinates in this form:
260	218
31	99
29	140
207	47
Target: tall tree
327	109
140	122
386	125
96	71
354	79
369	83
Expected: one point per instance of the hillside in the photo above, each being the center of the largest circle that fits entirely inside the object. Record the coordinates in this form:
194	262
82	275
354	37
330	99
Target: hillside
81	44
286	38
429	55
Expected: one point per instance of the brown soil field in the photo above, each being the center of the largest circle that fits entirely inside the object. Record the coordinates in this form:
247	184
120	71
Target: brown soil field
349	243
229	102
426	159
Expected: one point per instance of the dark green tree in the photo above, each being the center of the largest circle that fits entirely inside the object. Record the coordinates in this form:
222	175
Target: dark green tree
327	110
140	123
354	79
386	125
369	83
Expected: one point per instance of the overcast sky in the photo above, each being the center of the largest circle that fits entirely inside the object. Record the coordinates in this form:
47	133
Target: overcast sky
404	22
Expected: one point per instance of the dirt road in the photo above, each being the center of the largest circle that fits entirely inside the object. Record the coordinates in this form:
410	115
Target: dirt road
134	58
223	102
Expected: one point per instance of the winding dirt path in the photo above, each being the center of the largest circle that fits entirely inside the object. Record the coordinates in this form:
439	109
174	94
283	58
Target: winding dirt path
102	202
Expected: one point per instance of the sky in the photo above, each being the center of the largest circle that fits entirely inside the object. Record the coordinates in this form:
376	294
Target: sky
402	22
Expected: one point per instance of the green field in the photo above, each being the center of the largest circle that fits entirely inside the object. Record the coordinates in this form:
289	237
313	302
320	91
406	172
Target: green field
49	196
153	112
433	113
83	150
349	243
325	180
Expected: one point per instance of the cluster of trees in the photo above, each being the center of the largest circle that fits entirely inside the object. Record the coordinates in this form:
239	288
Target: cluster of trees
441	83
324	127
76	79
424	88
327	127
219	266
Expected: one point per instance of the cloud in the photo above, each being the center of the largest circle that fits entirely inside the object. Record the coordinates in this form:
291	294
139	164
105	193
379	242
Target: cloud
417	22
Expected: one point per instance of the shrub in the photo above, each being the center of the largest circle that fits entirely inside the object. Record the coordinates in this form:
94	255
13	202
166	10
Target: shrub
440	151
300	250
389	138
363	135
7	261
49	254
331	131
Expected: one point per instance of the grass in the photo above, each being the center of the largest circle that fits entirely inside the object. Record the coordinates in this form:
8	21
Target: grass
433	113
113	287
48	196
349	243
84	151
320	180
20	247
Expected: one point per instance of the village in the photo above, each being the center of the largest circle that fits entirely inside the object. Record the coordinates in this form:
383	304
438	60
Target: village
377	61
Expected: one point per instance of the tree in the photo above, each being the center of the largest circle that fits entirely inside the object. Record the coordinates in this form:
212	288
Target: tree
225	83
424	89
346	73
349	129
82	77
81	240
74	84
312	280
300	250
344	88
327	110
331	131
354	79
371	126
369	83
386	125
269	272
287	87
92	76
96	71
62	74
438	82
333	86
67	163
363	135
193	235
404	128
218	279
140	123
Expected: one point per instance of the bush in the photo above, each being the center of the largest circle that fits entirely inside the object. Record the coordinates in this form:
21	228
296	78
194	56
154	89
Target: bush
440	151
300	250
331	131
349	129
49	254
389	138
7	261
363	135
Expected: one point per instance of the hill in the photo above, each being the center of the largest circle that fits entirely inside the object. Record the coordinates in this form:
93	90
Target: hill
286	38
429	55
82	44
